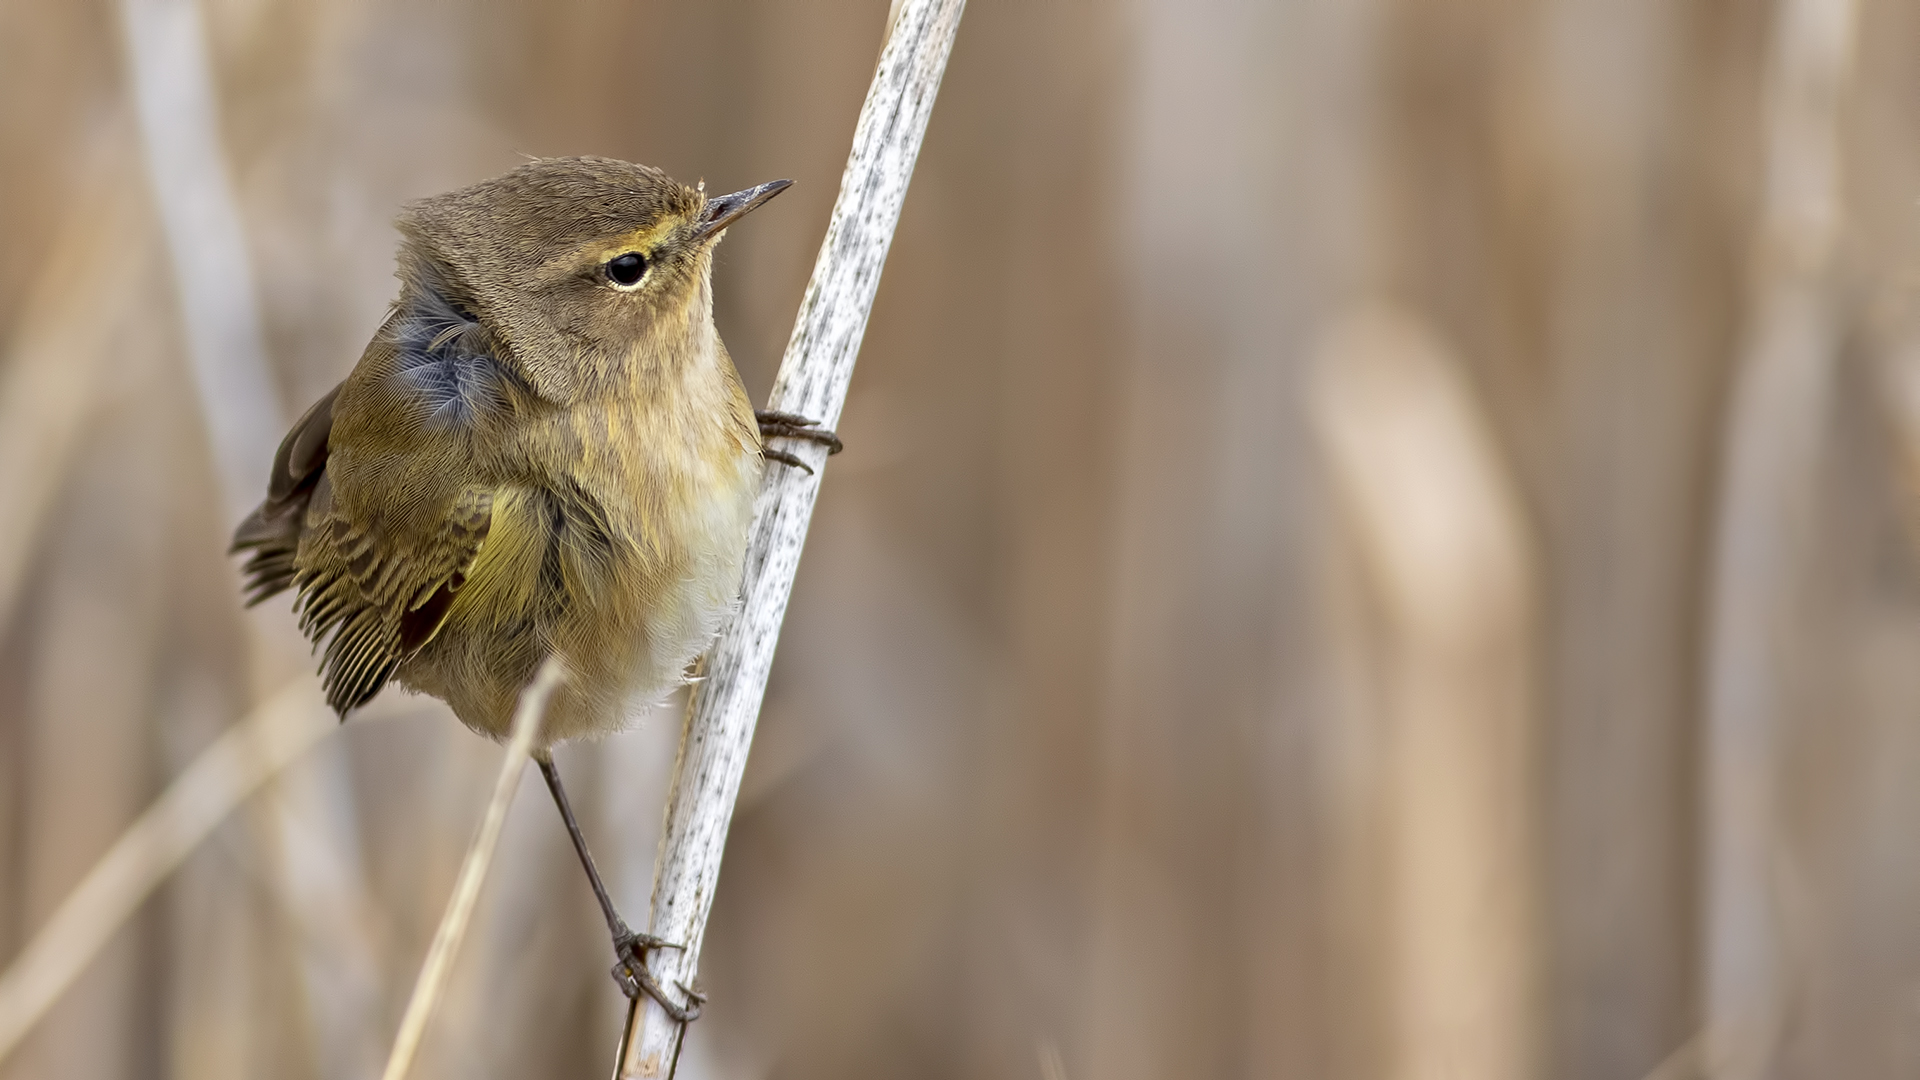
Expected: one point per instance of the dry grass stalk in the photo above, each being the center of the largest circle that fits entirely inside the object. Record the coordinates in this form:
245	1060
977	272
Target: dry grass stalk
473	871
237	763
1445	549
51	375
174	97
813	380
1775	430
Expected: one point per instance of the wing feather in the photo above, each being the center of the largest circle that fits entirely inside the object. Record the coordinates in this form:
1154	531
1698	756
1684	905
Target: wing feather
376	604
272	531
374	584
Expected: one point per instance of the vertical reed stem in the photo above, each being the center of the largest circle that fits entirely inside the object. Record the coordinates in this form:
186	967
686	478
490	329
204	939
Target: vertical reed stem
813	382
1774	433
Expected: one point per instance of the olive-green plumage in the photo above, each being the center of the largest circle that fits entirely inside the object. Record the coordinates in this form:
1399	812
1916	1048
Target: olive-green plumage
544	448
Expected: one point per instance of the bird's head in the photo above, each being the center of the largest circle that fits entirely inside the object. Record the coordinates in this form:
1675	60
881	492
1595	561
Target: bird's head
580	270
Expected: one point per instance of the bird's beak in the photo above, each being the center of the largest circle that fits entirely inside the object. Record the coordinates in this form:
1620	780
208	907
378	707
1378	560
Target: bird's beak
724	210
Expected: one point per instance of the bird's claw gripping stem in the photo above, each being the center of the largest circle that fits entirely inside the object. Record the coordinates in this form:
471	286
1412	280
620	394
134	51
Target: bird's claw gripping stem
631	974
783	425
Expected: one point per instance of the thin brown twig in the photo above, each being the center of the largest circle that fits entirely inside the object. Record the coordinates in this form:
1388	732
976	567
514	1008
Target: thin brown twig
473	872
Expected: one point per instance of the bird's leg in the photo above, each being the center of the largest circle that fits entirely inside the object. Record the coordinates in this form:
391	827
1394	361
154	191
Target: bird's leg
629	946
782	425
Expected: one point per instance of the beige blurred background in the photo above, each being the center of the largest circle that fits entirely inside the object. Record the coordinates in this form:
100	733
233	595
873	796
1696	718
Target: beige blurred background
1377	540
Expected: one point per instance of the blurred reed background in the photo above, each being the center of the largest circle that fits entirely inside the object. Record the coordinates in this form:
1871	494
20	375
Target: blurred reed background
1377	540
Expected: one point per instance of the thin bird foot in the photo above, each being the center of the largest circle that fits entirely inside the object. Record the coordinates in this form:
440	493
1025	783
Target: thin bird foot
781	425
629	946
631	974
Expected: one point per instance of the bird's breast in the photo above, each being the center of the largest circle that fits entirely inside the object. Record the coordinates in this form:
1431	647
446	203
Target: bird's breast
652	538
618	536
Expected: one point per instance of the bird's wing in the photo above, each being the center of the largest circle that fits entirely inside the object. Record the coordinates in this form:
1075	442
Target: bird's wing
376	564
272	531
377	600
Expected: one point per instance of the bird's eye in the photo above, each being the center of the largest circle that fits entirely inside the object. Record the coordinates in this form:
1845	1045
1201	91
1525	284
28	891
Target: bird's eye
625	271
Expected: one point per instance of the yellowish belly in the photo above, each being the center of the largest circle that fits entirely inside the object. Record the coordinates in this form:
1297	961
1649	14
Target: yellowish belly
628	595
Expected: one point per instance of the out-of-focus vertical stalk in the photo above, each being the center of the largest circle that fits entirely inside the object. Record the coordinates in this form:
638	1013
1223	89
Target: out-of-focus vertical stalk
177	105
1898	379
54	361
1775	427
1447	556
312	819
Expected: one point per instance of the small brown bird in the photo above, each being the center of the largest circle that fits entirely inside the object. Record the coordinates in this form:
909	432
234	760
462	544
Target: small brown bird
544	450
